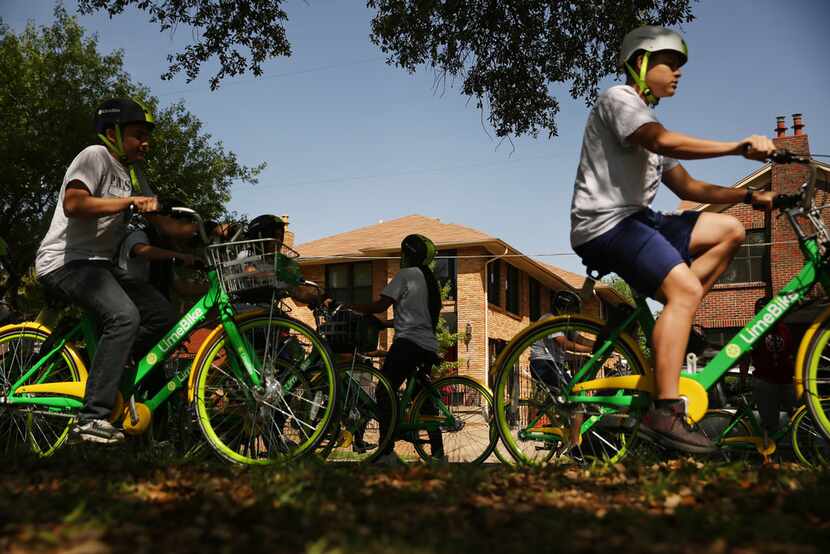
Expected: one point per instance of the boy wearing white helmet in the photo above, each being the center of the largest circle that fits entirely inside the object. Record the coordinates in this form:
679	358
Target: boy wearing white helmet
674	258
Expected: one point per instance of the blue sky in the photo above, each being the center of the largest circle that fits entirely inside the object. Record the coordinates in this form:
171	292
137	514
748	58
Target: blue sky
350	141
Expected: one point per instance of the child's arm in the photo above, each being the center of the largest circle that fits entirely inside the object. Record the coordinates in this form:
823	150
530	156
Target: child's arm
155	253
377	307
688	188
658	139
78	202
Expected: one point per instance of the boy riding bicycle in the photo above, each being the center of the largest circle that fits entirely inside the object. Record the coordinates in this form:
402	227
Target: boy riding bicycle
674	258
416	297
75	257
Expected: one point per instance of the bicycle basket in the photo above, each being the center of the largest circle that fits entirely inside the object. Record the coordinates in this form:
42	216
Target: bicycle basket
348	331
251	270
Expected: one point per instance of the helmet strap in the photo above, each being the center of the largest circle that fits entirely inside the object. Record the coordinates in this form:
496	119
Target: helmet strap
117	148
640	80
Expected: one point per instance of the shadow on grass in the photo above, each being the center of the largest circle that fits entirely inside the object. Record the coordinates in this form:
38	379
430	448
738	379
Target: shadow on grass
96	501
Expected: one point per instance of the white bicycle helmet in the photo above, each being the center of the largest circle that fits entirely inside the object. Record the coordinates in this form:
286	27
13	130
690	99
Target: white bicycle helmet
649	38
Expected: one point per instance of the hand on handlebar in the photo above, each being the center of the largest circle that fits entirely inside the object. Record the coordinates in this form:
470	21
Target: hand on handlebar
763	199
144	204
757	147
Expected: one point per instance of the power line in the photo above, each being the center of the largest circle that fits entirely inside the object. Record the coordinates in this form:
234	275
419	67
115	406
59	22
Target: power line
275	76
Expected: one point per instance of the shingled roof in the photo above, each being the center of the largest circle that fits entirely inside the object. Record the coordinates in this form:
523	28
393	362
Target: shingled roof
387	236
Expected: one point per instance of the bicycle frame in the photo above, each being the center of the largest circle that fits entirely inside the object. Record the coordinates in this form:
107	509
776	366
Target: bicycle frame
69	395
692	384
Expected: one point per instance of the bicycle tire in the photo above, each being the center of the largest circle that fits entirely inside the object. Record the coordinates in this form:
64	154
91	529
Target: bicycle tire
358	416
38	429
811	448
607	439
473	437
815	375
273	424
712	425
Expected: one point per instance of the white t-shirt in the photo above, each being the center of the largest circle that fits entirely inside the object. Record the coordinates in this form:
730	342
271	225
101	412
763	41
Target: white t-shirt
615	179
69	239
412	320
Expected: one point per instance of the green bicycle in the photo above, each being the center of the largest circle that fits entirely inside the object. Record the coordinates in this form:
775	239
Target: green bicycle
592	411
263	385
455	410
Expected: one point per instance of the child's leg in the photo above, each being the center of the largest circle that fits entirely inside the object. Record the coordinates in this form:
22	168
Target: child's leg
682	292
715	239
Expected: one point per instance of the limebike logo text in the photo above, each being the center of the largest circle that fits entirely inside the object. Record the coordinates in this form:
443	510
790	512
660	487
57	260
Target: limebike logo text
772	312
184	326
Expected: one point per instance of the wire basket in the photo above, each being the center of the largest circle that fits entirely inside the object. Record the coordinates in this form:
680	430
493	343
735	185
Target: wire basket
253	269
348	331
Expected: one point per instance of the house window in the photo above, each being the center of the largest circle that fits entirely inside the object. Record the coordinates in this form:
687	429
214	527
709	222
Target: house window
445	271
493	283
751	261
719	336
512	289
534	297
350	283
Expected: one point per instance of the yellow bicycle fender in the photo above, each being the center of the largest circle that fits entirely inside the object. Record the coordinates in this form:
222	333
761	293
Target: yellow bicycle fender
802	351
35	326
697	401
74	389
206	345
757	442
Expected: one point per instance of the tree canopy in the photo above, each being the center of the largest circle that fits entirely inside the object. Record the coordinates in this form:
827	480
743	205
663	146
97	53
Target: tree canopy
53	77
509	54
221	28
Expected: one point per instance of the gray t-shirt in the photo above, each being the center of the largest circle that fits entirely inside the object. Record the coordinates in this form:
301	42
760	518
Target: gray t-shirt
412	320
137	266
615	179
69	239
548	349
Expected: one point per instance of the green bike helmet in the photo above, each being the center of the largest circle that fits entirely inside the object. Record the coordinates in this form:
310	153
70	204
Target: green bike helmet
649	39
417	251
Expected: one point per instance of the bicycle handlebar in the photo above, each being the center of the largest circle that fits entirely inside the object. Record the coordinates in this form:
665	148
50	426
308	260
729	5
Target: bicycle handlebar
174	211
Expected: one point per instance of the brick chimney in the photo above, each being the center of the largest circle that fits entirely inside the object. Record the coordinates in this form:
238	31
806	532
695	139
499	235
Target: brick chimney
780	126
798	126
785	258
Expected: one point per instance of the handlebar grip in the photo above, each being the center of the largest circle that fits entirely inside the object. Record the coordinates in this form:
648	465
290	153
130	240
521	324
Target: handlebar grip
784	156
786	201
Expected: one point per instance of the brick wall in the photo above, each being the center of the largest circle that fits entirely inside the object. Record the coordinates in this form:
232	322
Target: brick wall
733	305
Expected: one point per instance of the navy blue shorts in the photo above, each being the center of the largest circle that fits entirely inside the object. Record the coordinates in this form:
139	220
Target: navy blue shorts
642	248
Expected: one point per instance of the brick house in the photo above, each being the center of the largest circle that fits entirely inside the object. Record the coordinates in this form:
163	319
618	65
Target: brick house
770	256
495	291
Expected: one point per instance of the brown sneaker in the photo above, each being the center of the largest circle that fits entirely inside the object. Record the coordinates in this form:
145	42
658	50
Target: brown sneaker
667	426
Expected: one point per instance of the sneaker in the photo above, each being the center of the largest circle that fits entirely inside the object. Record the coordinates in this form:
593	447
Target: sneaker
668	427
100	431
389	460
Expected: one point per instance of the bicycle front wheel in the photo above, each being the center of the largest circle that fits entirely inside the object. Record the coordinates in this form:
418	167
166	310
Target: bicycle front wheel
459	412
284	417
535	423
364	398
36	428
816	379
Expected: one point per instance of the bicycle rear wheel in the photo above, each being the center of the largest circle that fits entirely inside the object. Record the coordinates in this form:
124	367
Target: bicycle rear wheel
36	428
811	448
285	417
536	425
469	437
354	435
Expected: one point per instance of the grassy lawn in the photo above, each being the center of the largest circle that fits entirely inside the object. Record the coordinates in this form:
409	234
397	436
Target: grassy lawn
99	501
